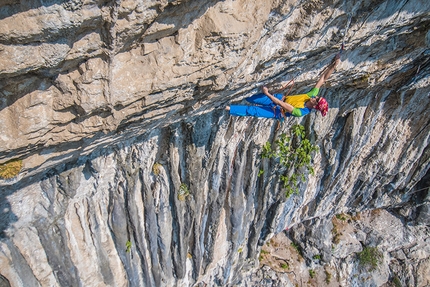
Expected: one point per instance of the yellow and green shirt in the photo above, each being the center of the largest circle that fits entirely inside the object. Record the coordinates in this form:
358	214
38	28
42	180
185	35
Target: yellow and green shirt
299	102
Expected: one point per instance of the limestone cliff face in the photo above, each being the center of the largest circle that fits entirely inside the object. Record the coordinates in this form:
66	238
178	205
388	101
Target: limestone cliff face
133	173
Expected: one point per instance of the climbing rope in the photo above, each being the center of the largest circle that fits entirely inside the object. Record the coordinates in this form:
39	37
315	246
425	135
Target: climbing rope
337	56
283	99
342	46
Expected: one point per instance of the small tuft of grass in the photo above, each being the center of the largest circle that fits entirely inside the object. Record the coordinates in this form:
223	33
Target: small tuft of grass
327	277
336	235
183	192
128	246
370	258
10	169
397	282
362	81
317	257
297	248
260	258
156	168
376	212
341	217
311	273
356	217
260	172
285	266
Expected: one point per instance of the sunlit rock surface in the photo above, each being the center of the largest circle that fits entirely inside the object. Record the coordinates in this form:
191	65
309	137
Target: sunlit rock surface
134	175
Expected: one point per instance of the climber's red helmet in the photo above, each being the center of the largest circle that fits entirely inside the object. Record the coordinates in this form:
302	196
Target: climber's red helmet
322	106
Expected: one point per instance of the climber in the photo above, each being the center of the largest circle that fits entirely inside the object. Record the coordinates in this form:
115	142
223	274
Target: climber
277	106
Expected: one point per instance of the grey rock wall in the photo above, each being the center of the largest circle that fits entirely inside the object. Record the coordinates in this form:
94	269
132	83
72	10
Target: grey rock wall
403	247
133	173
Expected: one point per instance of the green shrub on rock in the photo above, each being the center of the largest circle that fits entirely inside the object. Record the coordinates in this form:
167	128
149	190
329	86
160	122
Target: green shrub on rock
294	155
183	192
370	258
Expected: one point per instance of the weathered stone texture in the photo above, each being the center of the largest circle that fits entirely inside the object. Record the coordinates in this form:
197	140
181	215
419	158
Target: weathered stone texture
115	106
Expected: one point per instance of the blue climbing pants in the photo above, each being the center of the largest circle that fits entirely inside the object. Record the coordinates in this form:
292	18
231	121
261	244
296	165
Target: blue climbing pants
266	108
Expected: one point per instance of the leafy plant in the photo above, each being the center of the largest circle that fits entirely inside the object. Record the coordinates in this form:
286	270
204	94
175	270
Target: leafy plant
128	246
10	168
311	273
267	151
317	257
370	258
260	258
397	282
336	235
183	192
260	172
294	154
296	247
285	266
341	217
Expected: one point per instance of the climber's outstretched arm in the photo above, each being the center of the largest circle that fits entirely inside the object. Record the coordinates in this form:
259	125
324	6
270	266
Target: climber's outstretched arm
287	107
327	73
